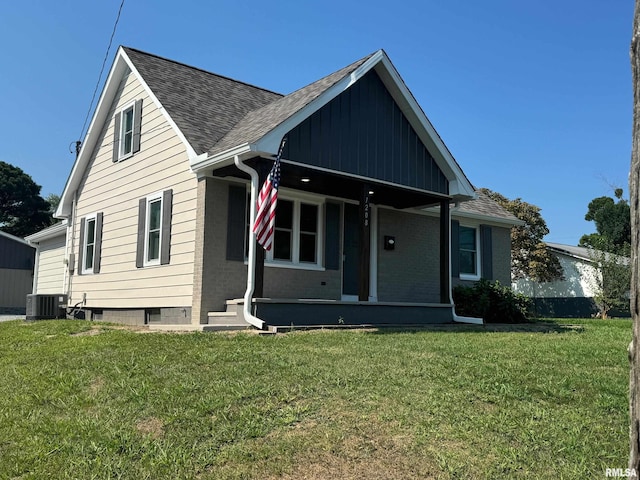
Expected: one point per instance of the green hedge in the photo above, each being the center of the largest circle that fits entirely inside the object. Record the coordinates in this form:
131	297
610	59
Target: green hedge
491	301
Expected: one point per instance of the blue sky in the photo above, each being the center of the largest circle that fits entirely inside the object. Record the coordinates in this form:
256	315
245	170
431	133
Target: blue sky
533	99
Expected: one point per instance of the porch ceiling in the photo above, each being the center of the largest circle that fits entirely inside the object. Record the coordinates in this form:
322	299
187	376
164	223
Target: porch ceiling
336	185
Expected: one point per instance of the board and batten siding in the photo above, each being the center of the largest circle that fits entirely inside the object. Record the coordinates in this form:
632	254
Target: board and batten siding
51	266
115	190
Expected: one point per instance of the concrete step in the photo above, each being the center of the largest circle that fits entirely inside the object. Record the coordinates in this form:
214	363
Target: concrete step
234	305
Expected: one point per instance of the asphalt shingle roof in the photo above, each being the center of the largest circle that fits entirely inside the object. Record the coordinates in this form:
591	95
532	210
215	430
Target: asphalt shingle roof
259	122
483	205
205	106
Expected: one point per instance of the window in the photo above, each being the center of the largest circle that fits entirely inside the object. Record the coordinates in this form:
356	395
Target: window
126	131
154	229
90	240
296	234
89	243
469	257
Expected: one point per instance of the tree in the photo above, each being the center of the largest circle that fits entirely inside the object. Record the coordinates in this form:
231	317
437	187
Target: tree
613	223
612	279
634	200
529	255
22	210
53	200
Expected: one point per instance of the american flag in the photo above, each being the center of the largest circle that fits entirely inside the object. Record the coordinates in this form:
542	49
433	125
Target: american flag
266	205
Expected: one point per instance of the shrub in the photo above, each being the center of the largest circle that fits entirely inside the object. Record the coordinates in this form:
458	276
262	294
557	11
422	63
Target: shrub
491	301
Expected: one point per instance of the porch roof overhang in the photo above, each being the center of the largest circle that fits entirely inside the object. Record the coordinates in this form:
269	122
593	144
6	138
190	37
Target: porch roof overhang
338	184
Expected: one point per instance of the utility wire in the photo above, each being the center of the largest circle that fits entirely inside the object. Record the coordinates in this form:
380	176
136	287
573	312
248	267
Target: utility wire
104	62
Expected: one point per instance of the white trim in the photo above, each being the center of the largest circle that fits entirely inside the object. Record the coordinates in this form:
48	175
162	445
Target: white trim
122	65
459	185
85	243
152	199
50	232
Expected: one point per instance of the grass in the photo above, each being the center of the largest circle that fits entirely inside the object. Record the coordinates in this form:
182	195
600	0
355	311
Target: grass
83	400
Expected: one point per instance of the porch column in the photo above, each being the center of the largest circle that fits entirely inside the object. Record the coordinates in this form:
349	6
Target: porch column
365	245
445	252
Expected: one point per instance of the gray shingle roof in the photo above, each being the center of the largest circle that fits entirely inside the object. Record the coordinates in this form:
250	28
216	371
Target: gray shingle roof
205	106
484	206
259	122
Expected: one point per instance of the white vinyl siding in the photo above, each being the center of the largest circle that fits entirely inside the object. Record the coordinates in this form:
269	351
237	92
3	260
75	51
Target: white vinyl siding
115	189
51	266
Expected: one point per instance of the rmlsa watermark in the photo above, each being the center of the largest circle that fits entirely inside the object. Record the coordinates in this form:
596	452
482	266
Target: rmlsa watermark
621	472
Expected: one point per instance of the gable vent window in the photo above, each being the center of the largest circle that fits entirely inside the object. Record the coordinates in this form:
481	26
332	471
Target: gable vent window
126	132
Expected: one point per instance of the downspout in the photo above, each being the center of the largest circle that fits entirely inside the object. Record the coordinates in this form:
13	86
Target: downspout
70	248
458	318
248	294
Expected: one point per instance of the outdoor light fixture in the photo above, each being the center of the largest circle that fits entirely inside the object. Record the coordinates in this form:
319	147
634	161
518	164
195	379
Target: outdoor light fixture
370	192
389	242
305	179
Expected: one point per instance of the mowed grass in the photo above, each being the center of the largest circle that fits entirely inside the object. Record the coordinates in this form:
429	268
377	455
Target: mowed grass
82	400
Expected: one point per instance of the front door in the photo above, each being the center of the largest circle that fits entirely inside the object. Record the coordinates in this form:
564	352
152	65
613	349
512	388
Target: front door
351	249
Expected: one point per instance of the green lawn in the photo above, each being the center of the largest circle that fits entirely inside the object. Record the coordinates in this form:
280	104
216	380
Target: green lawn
82	400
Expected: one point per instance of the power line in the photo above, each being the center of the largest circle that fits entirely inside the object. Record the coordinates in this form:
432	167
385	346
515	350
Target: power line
104	62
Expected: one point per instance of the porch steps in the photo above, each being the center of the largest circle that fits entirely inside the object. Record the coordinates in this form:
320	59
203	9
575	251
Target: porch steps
231	319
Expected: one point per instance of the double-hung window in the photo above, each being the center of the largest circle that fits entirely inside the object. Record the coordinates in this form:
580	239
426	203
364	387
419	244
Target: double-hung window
127	129
126	132
297	233
154	229
90	240
469	253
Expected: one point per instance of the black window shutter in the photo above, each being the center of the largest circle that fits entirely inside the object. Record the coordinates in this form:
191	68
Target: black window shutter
332	236
97	249
236	218
137	126
116	138
167	205
455	248
142	214
81	251
486	250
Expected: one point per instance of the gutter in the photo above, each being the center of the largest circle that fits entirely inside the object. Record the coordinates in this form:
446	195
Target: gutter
248	294
458	318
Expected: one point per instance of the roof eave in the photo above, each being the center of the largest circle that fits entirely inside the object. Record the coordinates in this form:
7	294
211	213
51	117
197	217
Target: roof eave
487	218
47	233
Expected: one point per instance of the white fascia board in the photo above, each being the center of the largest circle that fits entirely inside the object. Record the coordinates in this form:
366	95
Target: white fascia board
271	141
190	151
459	185
119	68
201	162
47	233
109	91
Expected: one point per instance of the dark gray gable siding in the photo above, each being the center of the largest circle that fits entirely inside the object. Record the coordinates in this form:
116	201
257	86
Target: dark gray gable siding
15	255
364	132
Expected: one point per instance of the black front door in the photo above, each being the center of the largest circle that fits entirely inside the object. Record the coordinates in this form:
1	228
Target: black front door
350	265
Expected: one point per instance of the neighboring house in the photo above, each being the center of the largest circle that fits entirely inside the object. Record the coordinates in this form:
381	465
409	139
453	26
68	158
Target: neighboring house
16	273
573	296
159	199
50	267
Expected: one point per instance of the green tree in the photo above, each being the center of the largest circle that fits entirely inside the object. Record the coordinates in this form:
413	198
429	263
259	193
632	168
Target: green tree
22	210
613	278
613	223
529	255
53	200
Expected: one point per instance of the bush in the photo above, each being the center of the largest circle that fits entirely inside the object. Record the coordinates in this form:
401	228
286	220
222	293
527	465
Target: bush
491	301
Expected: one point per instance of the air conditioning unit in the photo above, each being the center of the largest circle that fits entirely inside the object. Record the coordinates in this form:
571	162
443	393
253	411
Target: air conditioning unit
41	307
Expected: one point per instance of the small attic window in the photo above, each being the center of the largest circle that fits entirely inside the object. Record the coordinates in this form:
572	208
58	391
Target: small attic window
126	132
